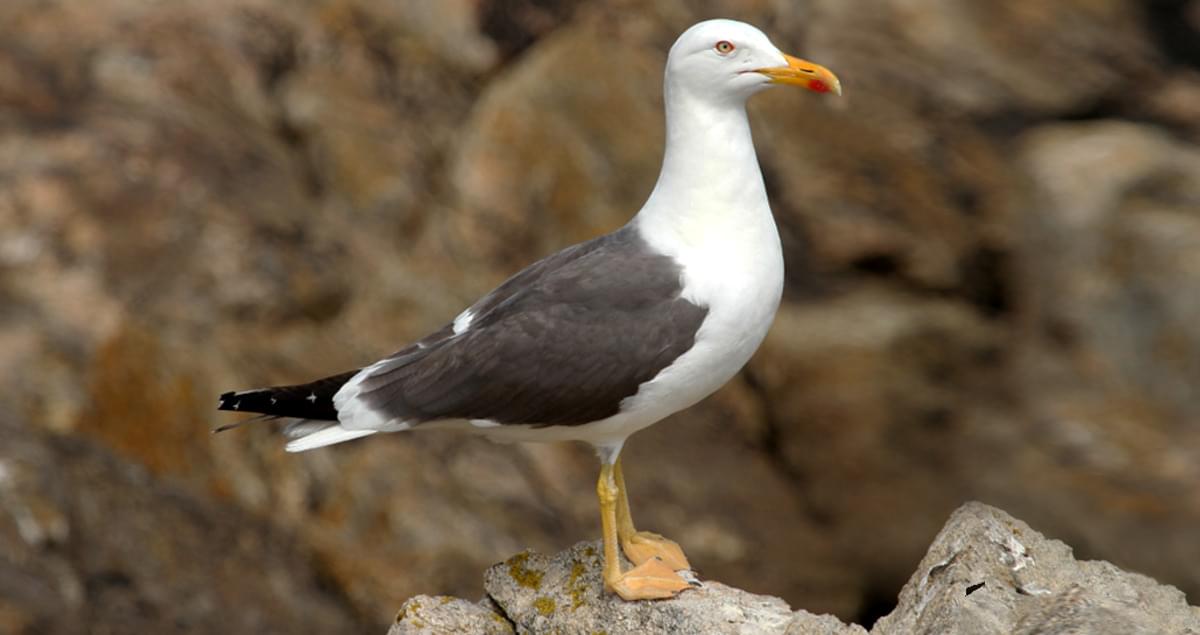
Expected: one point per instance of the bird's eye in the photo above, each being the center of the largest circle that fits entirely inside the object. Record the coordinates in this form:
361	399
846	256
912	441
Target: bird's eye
724	47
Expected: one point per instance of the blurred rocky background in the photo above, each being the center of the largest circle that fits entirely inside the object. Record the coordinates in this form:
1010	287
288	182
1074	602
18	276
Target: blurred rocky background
993	251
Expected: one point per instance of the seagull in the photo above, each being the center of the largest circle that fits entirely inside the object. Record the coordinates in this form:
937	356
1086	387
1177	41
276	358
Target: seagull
609	336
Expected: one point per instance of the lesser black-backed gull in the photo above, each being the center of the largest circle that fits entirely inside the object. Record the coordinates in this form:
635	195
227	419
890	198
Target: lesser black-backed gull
607	337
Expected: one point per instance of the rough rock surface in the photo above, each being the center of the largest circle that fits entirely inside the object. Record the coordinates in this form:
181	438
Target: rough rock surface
89	550
986	573
430	615
990	242
533	593
541	594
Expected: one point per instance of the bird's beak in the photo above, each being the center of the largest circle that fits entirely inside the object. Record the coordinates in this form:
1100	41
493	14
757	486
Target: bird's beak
804	73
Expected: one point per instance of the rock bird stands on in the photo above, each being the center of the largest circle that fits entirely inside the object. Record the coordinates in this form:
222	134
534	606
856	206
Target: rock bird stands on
609	336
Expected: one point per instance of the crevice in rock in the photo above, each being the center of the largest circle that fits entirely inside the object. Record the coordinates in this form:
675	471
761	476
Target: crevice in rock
1098	110
498	609
877	602
1175	25
882	265
986	280
298	144
1005	127
515	25
771	445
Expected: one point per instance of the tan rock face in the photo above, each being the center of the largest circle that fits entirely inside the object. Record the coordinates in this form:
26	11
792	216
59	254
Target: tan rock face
564	148
989	279
94	543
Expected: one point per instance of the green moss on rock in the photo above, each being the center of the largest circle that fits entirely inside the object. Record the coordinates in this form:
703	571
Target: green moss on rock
409	607
575	587
523	575
545	605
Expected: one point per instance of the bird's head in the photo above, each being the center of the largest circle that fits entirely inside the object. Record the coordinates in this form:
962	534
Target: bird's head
726	60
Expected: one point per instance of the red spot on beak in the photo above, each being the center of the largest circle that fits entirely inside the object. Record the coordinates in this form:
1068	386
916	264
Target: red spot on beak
818	86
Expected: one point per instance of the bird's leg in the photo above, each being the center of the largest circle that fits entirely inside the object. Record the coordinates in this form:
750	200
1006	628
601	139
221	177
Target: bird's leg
650	580
641	546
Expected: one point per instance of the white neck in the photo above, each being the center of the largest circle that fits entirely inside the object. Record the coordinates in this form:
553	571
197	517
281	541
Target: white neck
709	213
710	179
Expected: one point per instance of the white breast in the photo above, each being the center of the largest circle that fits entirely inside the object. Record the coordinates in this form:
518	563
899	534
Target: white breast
737	273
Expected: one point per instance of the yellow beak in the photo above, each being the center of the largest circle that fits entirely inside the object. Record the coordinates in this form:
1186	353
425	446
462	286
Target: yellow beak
804	73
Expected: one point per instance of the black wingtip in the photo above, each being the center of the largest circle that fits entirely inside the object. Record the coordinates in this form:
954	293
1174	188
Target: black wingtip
313	400
223	401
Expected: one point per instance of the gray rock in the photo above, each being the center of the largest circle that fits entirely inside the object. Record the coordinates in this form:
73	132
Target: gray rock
1116	208
986	572
435	615
564	593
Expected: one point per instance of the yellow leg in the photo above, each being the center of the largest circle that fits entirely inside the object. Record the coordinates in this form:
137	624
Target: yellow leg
651	580
643	546
624	518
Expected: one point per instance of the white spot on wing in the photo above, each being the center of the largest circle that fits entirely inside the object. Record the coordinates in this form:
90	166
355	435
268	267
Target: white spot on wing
484	423
312	397
463	321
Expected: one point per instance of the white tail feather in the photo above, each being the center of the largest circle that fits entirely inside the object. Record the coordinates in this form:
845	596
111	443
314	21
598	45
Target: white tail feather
329	435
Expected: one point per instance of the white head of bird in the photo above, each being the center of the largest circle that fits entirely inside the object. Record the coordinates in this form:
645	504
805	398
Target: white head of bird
710	181
724	62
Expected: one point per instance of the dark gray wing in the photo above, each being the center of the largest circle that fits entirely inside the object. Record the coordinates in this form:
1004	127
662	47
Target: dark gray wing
563	342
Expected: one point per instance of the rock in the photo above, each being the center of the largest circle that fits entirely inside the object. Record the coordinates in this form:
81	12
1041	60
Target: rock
564	594
910	363
1109	347
985	573
529	153
984	58
428	615
1116	235
90	543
